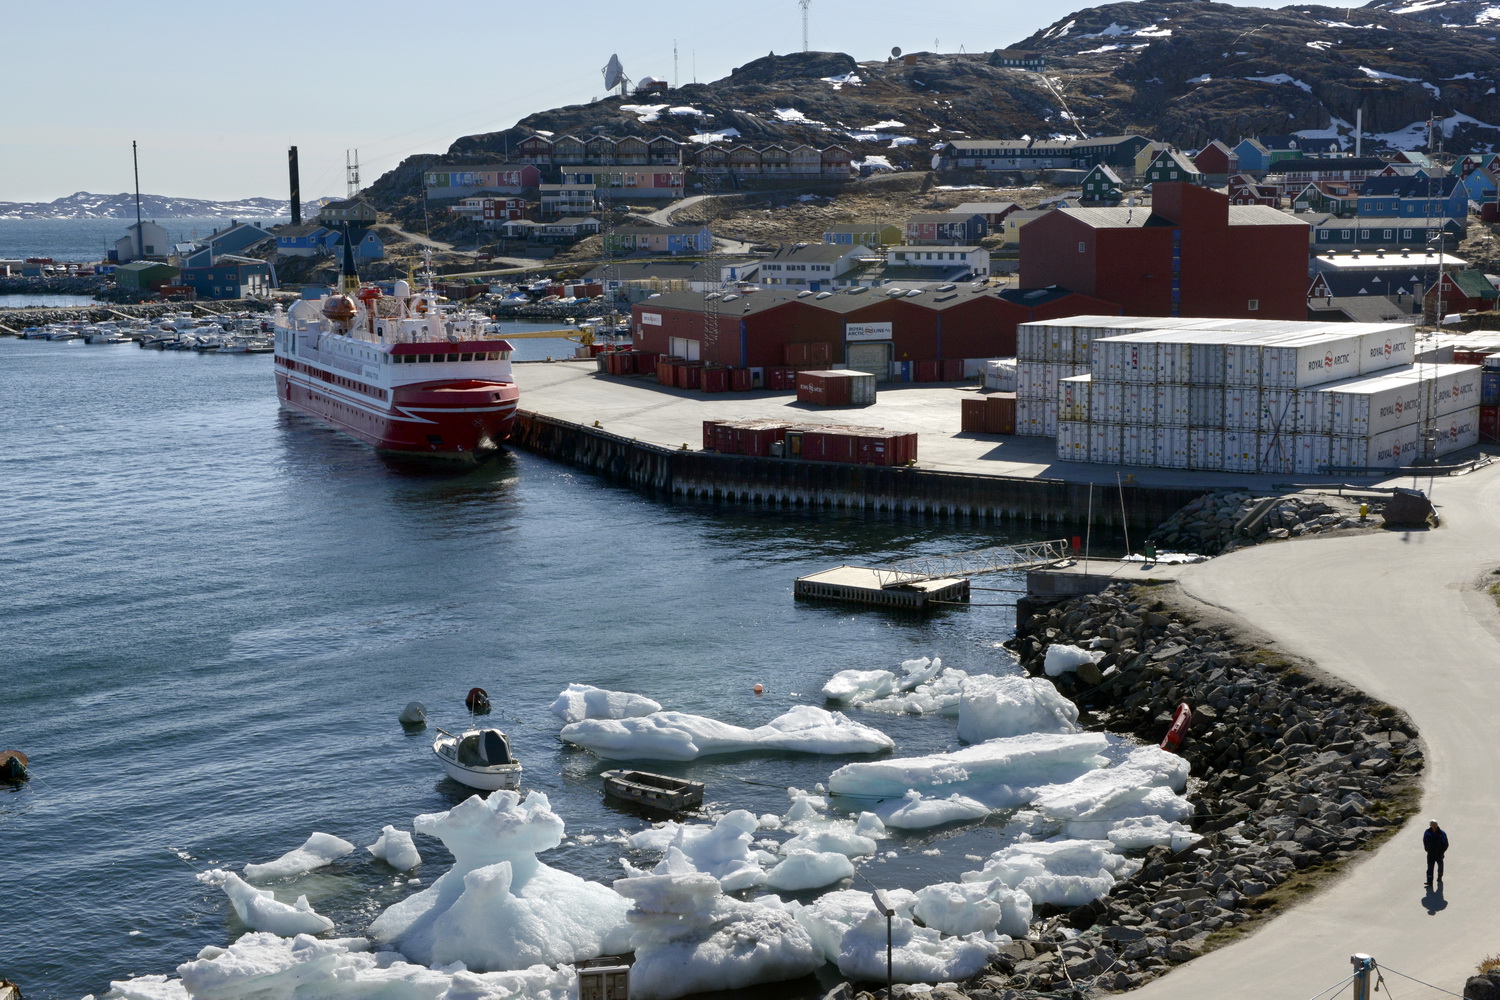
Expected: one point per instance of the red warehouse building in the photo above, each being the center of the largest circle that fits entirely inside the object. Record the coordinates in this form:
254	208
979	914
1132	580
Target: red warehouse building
868	329
1188	254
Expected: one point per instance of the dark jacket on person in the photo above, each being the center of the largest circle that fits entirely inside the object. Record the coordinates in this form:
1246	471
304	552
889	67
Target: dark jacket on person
1435	842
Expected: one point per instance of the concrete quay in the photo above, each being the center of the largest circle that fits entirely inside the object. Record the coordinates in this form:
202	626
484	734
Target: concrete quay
651	436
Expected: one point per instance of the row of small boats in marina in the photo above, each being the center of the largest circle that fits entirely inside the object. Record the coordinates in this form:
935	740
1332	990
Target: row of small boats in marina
234	333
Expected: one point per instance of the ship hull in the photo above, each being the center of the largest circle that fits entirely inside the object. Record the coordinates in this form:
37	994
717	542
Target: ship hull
454	421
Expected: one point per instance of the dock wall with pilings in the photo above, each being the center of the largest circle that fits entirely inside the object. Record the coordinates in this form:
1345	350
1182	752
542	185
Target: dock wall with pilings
781	482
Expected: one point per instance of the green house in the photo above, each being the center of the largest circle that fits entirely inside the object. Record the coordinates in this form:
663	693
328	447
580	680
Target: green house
144	275
1102	186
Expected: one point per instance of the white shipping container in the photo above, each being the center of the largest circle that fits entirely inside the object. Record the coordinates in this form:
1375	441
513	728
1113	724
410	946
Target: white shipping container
1049	421
1206	363
1320	360
1072	441
1139	361
1173	362
1276	452
1241	410
1205	448
1031	380
1031	342
1388	348
1312	453
1241	451
1172	447
1172	405
1104	441
1073	396
1109	401
1083	340
1029	412
1387	450
1205	406
1137	445
1457	430
1278	410
1242	364
1138	403
1455	387
1314	414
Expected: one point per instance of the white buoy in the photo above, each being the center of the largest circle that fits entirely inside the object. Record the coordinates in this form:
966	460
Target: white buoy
414	714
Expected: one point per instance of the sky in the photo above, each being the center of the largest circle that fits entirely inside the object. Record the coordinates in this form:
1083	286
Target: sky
215	92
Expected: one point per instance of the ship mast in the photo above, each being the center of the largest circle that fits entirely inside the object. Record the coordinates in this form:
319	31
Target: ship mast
348	276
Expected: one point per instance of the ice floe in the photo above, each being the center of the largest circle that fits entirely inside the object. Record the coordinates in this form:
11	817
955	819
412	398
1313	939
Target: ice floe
1060	872
584	701
922	687
689	938
681	736
395	848
1061	658
995	706
499	907
970	907
724	851
914	812
319	850
260	910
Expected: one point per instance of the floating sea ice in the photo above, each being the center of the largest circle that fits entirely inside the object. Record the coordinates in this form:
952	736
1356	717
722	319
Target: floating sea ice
680	736
500	908
855	687
999	773
1011	706
1062	872
321	849
723	850
264	965
923	687
914	812
688	938
970	907
148	988
260	910
1146	783
584	701
805	869
395	848
818	832
1061	658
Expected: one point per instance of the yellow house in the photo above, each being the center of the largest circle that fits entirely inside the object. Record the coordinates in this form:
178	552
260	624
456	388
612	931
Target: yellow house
1015	220
1148	155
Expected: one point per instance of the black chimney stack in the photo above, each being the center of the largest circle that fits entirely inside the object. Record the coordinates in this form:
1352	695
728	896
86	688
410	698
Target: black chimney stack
291	167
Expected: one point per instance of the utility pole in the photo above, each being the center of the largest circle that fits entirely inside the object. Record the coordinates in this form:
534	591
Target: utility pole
140	237
1362	966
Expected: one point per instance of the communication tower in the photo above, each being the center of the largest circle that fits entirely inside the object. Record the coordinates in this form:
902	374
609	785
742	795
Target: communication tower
351	172
804	4
614	75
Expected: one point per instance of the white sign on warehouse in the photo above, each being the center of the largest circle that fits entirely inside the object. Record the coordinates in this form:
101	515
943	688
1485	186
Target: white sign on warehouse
867	331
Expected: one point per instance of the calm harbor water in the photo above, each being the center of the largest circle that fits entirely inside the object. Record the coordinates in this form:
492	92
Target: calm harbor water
216	610
91	239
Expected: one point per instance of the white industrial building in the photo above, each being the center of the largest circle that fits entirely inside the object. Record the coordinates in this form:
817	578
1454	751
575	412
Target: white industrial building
1239	395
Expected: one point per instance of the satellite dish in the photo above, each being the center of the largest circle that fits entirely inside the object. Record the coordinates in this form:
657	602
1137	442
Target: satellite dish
613	73
895	52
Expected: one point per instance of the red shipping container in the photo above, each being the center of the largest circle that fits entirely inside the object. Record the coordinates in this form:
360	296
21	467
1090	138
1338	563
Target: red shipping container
757	440
909	448
726	439
1489	424
878	449
740	380
953	370
781	378
824	388
666	373
830	446
645	363
1000	413
690	375
711	435
713	379
820	353
972	416
927	371
795	354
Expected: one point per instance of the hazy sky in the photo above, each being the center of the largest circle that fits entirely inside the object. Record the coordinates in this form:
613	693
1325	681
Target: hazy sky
214	92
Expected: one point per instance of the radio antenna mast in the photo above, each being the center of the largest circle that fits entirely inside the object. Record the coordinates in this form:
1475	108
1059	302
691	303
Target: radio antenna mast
805	4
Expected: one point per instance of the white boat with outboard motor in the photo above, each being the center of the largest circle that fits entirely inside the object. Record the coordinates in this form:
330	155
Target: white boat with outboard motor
479	758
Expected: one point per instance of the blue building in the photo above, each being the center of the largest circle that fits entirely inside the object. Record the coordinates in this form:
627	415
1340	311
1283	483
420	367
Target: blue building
229	277
1413	197
237	238
311	239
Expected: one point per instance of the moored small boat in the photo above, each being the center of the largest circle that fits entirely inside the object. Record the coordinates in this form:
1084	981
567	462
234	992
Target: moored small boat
658	791
479	758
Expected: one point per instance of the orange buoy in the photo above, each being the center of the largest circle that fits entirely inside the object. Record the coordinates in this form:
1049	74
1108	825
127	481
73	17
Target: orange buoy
758	689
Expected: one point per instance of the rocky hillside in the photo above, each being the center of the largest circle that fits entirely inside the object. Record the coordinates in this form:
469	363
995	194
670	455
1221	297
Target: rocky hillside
1185	71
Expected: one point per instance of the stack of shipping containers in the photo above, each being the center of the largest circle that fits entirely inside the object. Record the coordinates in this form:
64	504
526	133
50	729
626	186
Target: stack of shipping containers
1255	396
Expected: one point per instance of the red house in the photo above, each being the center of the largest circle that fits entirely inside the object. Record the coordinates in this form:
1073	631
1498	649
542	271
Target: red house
1189	254
1217	158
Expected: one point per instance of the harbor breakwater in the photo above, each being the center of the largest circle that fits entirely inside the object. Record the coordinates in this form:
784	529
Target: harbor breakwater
1292	773
743	479
13	321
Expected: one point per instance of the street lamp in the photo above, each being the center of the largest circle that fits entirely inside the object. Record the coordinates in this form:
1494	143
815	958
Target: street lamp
883	906
1428	432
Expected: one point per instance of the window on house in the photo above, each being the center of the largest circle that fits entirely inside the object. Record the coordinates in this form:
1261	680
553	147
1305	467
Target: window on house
1254	305
1082	247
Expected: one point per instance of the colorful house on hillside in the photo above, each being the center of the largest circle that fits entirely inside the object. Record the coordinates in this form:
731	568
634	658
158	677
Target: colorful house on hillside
1413	197
1171	165
1388	233
658	239
1461	292
1327	197
229	277
1217	160
1246	190
1102	186
946	227
864	235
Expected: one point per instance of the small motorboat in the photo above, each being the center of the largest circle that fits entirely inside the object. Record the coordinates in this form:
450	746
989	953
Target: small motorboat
657	791
13	766
479	758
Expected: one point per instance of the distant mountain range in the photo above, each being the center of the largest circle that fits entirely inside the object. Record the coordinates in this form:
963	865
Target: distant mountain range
83	205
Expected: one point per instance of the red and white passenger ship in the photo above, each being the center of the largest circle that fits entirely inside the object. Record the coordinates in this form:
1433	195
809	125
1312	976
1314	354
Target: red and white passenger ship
406	372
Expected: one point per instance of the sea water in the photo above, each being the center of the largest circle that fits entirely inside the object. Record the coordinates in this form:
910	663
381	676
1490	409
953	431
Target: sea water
215	611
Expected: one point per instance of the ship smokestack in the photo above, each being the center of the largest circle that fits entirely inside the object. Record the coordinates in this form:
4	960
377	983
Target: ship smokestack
296	182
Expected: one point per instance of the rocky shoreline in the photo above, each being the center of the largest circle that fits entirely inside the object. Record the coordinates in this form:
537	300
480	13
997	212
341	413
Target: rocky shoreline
16	320
1293	772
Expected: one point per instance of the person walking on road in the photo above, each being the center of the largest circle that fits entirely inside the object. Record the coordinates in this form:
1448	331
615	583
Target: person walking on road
1435	843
